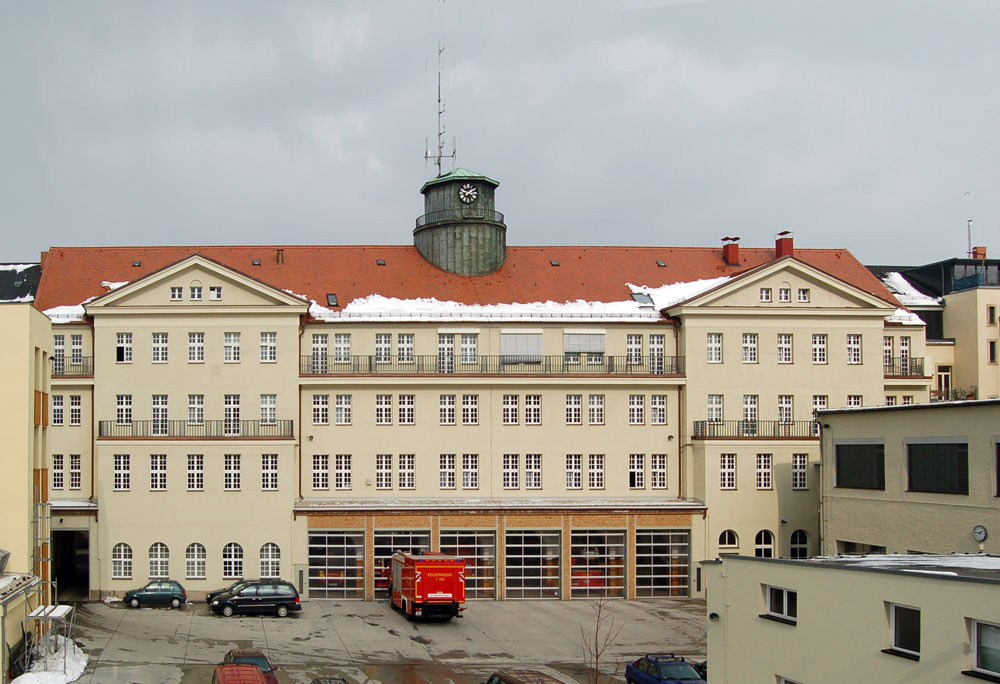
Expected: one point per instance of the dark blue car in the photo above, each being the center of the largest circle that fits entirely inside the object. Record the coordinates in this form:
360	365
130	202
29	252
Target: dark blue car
664	668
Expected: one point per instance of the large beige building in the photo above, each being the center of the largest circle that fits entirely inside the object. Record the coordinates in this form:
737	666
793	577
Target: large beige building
575	421
912	479
862	618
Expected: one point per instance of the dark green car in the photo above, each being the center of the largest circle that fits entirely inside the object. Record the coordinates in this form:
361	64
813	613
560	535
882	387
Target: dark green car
157	593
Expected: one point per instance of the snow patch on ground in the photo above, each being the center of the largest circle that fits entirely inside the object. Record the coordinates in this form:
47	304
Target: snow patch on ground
58	651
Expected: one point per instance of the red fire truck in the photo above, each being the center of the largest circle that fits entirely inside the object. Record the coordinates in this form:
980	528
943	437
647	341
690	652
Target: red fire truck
427	585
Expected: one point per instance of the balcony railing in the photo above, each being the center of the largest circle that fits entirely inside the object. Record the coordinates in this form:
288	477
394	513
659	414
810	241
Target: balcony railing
904	367
63	367
755	429
525	364
209	429
460	214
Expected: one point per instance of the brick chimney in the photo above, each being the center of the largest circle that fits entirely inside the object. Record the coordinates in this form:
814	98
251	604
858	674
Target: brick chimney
978	252
783	245
731	250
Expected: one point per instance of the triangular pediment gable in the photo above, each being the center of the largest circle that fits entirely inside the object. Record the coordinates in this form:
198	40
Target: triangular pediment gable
222	288
809	288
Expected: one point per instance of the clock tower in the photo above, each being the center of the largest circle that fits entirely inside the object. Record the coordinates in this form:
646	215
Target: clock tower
460	231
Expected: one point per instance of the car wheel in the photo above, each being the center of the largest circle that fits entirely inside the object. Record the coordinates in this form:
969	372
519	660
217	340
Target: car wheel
228	611
282	611
175	602
133	602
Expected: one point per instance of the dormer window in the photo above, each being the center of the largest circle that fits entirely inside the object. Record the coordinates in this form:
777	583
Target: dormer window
765	294
215	292
196	293
176	294
785	294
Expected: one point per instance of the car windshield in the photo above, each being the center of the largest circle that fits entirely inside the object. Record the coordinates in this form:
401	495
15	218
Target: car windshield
677	671
259	661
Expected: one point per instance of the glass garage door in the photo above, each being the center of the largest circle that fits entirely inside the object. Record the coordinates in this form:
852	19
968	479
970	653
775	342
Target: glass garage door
662	563
388	542
597	564
479	549
337	564
532	564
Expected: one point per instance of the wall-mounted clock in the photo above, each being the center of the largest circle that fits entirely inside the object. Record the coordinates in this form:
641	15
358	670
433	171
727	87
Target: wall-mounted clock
979	533
468	193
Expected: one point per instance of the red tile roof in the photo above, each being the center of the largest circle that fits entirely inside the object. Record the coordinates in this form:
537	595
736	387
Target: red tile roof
71	275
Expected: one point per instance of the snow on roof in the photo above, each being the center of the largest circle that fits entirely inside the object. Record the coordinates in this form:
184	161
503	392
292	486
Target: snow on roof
72	503
954	564
906	293
675	293
66	314
114	285
905	318
17	268
19	300
10	583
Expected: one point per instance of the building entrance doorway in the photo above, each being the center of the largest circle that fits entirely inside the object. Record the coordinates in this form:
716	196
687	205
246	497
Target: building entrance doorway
71	564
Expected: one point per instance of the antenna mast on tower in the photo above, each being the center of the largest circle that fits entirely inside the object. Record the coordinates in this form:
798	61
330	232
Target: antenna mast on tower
440	133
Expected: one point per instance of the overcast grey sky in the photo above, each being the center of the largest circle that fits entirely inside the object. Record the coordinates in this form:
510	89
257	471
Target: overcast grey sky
866	124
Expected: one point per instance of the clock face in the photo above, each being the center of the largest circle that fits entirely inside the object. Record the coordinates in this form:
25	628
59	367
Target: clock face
468	193
979	533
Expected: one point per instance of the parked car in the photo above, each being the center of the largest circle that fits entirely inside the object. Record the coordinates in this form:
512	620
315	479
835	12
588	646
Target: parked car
238	674
235	586
266	596
662	668
157	593
255	657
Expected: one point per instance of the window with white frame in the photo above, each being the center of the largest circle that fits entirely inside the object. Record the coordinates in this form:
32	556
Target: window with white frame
727	471
407	471
195	561
904	629
574	471
161	424
633	348
819	348
904	354
58	354
782	603
232	479
749	347
470	471
986	647
803	294
636	409
595	471
855	400
595	409
196	347
75	410
511	471
342	347
342	410
195	293
160	347
658	409
321	409
728	539
121	561
764	462
764	544
637	471
58	471
447	409
750	414
231	347
853	349
532	471
447	471
890	400
383	471
765	294
268	347
714	348
820	402
270	560
76	350
658	471
232	561
383	409
888	351
231	424
469	351
532	409
404	347
470	409
383	347
158	472
342	471
907	399
269	472
574	409
320	362
196	409
123	347
321	471
176	294
269	409
784	347
196	472
407	413
215	292
57	409
715	407
510	409
123	409
800	471
784	294
75	471
159	561
786	406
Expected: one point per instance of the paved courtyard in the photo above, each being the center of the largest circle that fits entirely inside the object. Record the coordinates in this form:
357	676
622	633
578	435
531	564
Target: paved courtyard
370	643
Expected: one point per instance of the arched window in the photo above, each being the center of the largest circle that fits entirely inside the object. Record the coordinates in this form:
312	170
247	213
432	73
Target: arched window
800	544
232	560
764	544
270	560
159	561
121	562
729	540
194	565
